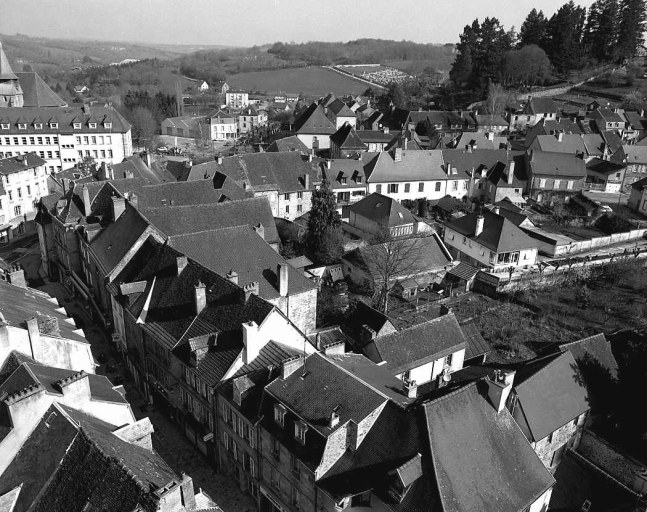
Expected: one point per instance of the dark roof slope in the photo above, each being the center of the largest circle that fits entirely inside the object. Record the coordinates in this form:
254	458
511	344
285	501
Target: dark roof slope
314	121
346	138
481	459
180	193
545	163
20	163
291	143
552	396
36	93
382	210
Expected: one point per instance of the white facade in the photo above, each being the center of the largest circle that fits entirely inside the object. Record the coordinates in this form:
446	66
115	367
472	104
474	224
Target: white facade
431	190
237	99
315	141
224	129
431	370
247	121
22	191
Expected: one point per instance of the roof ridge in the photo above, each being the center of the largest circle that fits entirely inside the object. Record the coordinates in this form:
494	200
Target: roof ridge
362	381
192	233
462	389
568	344
543	368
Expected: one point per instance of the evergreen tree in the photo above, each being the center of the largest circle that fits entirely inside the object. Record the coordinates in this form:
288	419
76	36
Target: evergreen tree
564	29
591	27
463	67
323	238
631	28
533	29
606	36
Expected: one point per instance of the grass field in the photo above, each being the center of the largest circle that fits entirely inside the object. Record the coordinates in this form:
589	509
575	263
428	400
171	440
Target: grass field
311	81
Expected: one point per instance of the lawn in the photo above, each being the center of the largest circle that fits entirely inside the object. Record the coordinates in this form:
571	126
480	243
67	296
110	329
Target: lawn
311	81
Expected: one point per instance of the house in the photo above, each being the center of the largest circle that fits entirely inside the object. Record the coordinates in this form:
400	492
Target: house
183	126
23	181
236	98
285	179
81	89
369	324
251	118
313	128
376	213
553	175
204	86
604	175
376	140
490	123
480	458
534	110
472	166
346	179
64	136
220	87
638	197
291	143
411	263
506	180
33	328
609	119
422	353
549	402
346	143
636	126
484	140
551	127
636	165
486	239
340	114
223	125
570	143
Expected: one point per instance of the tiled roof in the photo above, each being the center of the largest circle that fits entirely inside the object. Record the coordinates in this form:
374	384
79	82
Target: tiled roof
463	271
65	117
244	251
6	73
382	210
571	143
541	106
20	163
342	169
414	166
489	120
179	193
481	459
340	109
480	140
291	143
635	154
368	136
476	345
477	159
412	347
321	386
347	138
182	220
314	121
36	93
498	235
499	172
552	396
153	175
542	163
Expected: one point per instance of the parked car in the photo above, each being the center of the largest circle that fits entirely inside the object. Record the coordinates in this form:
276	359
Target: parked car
162	149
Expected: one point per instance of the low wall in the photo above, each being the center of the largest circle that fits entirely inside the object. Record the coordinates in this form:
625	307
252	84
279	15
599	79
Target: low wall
593	243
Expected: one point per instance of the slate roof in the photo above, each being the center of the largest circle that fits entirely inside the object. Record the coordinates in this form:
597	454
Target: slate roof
181	193
375	136
476	345
20	163
313	120
185	122
342	168
36	93
417	345
604	166
635	154
489	120
542	163
283	171
477	159
571	143
183	220
19	304
382	210
155	175
552	396
366	315
415	166
65	117
481	459
480	140
240	249
499	172
340	109
324	387
640	184
551	127
635	120
541	106
347	138
291	143
498	235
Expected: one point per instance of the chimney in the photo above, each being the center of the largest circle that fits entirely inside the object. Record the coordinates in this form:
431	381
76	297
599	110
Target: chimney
642	112
250	289
251	341
309	157
232	276
444	378
181	262
468	148
134	200
490	136
200	297
282	277
34	334
129	175
290	365
499	387
219	160
16	277
397	155
306	181
386	130
480	221
334	417
118	207
560	135
86	200
510	172
410	388
4	335
496	210
405	142
328	164
260	230
148	159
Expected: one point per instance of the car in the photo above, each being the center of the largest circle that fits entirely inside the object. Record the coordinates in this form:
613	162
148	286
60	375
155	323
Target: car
604	208
162	149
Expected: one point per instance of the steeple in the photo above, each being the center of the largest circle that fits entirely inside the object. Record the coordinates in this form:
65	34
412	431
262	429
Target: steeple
11	94
6	73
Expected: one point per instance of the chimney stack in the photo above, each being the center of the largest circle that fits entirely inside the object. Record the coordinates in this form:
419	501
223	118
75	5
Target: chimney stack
397	155
306	181
219	160
181	262
118	207
328	164
134	200
260	230
480	222
251	341
510	172
560	135
34	334
385	130
250	289
334	417
86	200
309	157
290	365
200	297
16	277
499	387
129	175
496	210
282	275
367	333
232	276
410	388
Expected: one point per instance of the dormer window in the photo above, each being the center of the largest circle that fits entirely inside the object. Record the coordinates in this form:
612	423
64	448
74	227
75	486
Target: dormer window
92	125
54	126
38	126
343	180
358	179
279	414
77	126
4	126
107	125
22	126
300	429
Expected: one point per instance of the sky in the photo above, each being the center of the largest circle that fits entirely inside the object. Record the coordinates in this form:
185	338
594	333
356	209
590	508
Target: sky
257	22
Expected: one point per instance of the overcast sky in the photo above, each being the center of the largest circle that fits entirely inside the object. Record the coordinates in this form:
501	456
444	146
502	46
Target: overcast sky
249	22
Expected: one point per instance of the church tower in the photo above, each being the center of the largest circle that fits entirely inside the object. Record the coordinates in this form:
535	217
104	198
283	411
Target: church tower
10	90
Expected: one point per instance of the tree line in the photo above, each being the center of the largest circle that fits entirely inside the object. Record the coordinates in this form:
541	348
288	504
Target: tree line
571	39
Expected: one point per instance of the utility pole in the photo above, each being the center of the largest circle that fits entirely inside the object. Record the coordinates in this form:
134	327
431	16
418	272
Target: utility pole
178	98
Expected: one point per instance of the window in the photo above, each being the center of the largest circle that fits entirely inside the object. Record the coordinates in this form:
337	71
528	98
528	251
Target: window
438	186
4	126
407	188
10	195
94	139
557	455
85	140
448	360
19	192
286	197
28	190
38	126
361	500
294	465
77	126
557	184
53	125
276	449
17	210
92	125
294	497
569	185
279	414
276	479
299	195
225	439
107	125
378	189
393	188
358	179
32	140
100	139
421	187
24	141
454	185
542	183
110	153
22	126
287	209
299	208
103	153
300	430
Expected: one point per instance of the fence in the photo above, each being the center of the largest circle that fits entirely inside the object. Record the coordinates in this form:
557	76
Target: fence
598	242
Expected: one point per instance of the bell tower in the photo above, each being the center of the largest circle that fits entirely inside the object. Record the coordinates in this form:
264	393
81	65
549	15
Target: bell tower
10	90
